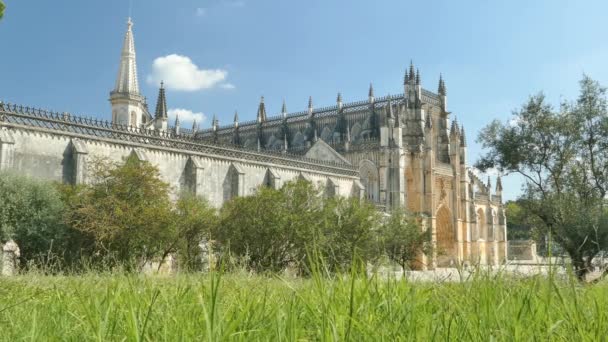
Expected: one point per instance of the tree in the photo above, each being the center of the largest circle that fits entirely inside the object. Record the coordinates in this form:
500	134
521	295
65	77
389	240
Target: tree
193	223
291	227
31	214
404	240
563	156
2	7
350	227
126	209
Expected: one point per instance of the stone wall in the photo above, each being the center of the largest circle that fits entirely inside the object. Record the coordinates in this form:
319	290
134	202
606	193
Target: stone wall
64	156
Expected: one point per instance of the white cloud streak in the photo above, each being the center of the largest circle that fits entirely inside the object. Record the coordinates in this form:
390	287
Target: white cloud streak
181	74
186	116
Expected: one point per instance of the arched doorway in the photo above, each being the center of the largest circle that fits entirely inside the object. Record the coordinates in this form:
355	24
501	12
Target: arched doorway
446	243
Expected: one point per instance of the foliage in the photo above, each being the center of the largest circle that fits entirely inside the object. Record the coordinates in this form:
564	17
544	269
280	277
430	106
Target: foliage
404	239
194	220
126	209
563	156
2	7
31	214
271	227
350	227
110	307
291	227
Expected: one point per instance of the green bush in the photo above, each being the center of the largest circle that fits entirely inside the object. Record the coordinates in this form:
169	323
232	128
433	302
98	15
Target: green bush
31	214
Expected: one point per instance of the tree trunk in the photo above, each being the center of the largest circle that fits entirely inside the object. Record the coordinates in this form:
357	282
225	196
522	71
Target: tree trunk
580	267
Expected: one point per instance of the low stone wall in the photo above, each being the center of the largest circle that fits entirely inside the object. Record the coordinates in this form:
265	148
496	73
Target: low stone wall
522	250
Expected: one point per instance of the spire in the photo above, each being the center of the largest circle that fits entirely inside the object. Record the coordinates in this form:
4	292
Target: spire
498	185
214	123
441	88
161	103
310	105
194	126
371	90
406	77
412	72
262	111
126	82
176	120
463	138
236	119
454	129
417	77
339	100
284	109
489	184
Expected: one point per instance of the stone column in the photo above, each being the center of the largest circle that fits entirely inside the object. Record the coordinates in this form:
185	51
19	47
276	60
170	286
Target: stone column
10	258
7	148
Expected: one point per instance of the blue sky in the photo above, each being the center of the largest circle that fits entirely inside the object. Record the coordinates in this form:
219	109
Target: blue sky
63	55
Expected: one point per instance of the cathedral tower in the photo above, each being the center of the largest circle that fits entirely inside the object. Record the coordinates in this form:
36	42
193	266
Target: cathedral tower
128	105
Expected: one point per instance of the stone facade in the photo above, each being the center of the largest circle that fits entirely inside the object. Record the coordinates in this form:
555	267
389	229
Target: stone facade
398	151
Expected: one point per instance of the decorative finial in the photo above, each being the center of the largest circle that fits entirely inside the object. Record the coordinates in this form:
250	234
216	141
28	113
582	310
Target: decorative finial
176	120
417	76
310	102
412	72
406	77
498	184
236	116
371	90
262	99
339	99
284	109
463	138
129	23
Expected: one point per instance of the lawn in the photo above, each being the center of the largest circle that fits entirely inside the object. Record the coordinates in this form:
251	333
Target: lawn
247	308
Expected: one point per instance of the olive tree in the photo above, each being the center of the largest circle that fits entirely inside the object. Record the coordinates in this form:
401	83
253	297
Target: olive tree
563	157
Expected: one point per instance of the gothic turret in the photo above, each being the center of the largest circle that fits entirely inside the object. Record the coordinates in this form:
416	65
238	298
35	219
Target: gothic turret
261	111
236	138
128	105
160	115
498	186
370	94
284	109
339	101
177	125
310	113
442	92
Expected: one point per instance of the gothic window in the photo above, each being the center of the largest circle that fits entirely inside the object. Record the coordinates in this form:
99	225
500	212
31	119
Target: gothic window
326	134
234	182
298	140
445	237
481	231
370	180
355	132
133	118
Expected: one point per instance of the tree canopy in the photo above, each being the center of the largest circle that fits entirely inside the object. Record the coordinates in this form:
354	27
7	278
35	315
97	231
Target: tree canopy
563	157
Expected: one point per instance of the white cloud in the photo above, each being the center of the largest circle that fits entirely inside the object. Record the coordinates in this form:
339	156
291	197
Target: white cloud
186	116
227	86
201	11
180	73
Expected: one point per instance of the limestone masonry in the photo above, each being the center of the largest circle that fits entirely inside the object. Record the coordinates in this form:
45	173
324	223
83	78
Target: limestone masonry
398	151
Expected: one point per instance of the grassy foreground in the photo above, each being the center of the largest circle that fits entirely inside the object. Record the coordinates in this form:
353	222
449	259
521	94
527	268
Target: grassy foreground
245	308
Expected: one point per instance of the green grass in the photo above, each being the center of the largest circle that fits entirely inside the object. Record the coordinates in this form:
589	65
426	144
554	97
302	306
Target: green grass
240	307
